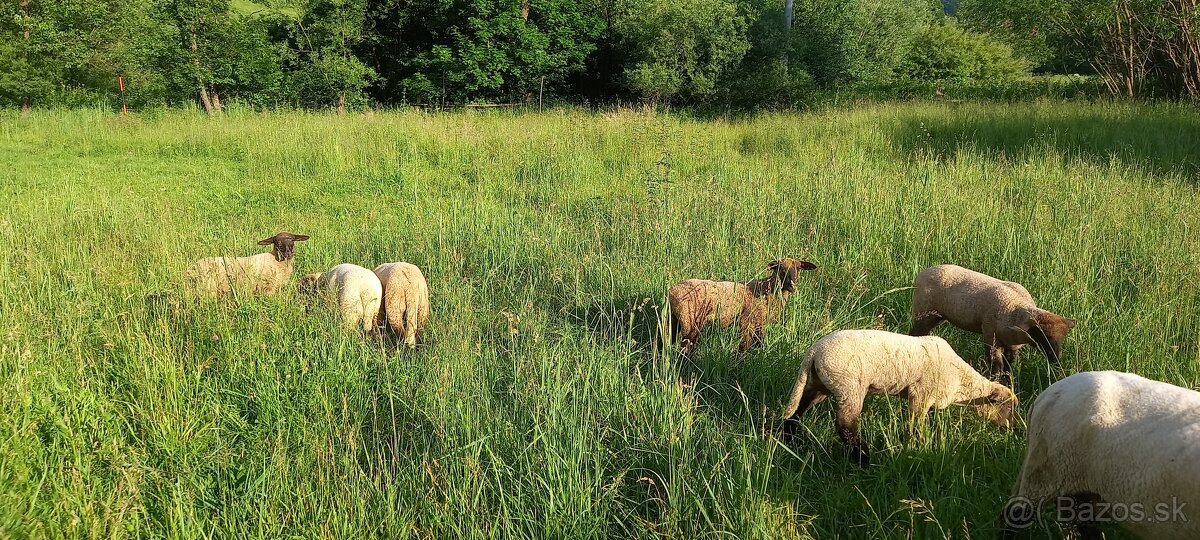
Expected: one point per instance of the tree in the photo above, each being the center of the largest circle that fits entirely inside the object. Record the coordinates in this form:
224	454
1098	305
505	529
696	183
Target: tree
323	67
432	50
859	41
1136	46
681	46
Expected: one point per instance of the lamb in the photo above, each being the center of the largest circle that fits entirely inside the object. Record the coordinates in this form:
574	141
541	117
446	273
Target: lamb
754	304
849	364
405	299
1107	437
357	290
263	274
1003	312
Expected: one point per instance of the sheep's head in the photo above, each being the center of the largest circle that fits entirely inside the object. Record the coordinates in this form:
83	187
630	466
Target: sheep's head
1048	331
283	244
308	283
786	271
998	407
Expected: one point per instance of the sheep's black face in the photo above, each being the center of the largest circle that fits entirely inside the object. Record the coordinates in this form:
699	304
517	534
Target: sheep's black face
786	272
284	250
1048	333
284	244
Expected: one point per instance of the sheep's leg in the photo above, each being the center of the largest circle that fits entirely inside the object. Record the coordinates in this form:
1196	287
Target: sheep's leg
925	322
1018	515
1084	504
812	396
996	357
751	337
688	341
849	411
918	417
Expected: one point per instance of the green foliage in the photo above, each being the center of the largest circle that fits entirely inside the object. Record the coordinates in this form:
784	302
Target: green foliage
859	41
323	70
946	52
429	50
682	46
768	77
1137	47
47	46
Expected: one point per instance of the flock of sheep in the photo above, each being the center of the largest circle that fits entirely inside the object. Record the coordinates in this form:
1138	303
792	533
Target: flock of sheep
1094	437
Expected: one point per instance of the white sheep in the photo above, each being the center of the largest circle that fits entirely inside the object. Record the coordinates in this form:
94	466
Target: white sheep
263	274
405	299
850	364
1003	312
357	291
1104	438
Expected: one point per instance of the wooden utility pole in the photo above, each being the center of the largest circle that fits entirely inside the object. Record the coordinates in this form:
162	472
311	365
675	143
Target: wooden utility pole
787	15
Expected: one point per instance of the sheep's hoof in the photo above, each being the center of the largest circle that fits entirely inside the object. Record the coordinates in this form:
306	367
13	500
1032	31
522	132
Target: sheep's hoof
787	432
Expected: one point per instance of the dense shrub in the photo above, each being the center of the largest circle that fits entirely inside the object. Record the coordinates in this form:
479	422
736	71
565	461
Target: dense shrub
946	52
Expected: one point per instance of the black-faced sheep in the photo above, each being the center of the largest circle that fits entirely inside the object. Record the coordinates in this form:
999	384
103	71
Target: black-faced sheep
263	274
753	305
1101	438
1003	312
405	299
357	291
850	364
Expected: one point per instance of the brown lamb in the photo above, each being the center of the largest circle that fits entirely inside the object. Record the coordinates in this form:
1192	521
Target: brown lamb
753	305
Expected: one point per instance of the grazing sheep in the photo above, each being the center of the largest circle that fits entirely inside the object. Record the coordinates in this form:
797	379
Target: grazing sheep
849	364
1106	437
754	304
1002	311
263	274
405	299
357	290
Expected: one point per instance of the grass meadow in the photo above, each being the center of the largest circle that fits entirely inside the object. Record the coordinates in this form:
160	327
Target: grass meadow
537	407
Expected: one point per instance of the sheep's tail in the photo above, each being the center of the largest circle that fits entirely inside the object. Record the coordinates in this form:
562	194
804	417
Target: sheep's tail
801	384
412	315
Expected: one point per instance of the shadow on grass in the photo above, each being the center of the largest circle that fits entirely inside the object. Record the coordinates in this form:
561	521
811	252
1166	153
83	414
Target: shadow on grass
1159	143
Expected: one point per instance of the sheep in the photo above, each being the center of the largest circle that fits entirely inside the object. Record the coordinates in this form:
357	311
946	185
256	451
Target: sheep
263	274
849	364
405	299
754	304
1103	438
1003	312
357	290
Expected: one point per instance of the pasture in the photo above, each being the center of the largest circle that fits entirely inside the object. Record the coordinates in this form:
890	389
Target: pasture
537	408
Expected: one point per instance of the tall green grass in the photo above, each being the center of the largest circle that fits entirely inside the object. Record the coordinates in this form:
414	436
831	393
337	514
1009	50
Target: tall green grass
537	407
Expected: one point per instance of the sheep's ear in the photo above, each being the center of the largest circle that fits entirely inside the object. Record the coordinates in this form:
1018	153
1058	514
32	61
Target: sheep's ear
999	394
805	265
773	266
1070	323
267	242
299	237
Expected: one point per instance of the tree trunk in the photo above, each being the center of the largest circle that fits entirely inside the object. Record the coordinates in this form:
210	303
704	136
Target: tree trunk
787	15
205	100
1183	49
216	101
341	108
524	10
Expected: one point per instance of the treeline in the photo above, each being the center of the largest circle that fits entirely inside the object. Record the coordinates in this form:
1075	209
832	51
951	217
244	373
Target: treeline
354	53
